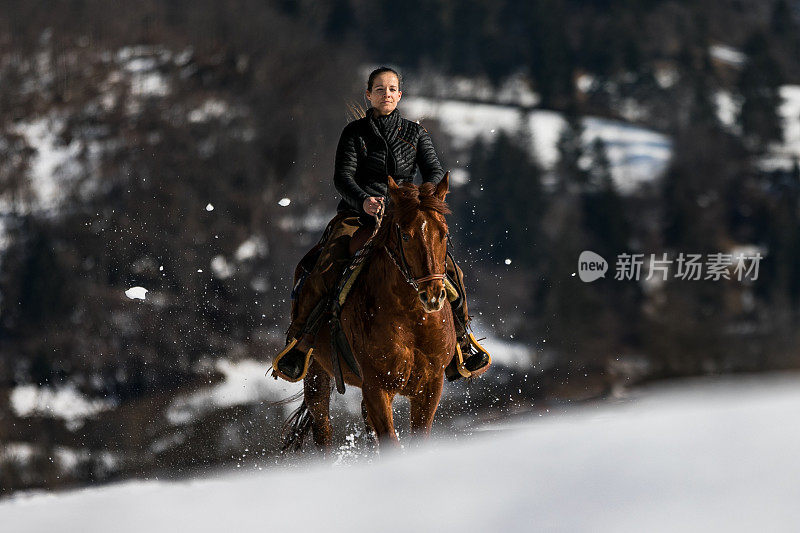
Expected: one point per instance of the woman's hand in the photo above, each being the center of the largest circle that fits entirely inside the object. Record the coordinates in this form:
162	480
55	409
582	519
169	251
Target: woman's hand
372	205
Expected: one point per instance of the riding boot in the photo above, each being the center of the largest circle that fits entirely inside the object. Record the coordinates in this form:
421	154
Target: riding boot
471	359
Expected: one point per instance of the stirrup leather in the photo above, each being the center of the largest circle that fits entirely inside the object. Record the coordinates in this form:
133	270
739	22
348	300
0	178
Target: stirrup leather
277	373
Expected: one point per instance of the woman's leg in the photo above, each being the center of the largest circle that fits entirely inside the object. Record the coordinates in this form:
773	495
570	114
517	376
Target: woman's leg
460	312
292	362
475	356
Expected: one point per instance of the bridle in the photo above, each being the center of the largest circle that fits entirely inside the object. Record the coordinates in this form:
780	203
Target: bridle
402	265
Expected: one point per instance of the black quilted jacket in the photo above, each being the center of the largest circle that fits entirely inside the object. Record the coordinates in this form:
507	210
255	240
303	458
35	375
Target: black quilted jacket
364	158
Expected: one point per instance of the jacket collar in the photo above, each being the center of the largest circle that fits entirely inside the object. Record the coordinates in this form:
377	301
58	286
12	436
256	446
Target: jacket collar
394	119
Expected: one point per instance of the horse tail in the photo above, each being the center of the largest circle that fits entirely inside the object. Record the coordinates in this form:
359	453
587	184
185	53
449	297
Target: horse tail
296	428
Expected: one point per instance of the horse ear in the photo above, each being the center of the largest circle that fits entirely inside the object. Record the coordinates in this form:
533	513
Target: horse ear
443	186
393	186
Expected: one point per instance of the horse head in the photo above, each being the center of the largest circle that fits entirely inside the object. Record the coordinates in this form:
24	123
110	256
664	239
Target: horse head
415	236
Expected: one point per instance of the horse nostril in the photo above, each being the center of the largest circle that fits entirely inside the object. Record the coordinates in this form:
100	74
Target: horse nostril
441	295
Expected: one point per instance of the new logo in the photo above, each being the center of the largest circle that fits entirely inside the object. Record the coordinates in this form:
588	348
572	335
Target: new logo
591	266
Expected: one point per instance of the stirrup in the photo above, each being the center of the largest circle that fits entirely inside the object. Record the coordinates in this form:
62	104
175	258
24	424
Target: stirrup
475	349
277	373
457	368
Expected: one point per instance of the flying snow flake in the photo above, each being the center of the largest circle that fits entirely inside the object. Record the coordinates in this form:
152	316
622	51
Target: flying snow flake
136	293
284	202
209	207
221	267
507	261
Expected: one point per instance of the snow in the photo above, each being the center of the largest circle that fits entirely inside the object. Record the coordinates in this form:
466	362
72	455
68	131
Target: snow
636	155
53	160
64	402
145	84
512	355
515	89
782	155
221	268
459	176
790	112
708	455
312	220
585	82
253	247
244	383
18	452
211	109
727	54
136	293
465	122
728	109
69	458
666	77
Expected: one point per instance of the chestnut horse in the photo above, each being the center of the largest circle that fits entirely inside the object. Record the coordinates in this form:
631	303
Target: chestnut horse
399	324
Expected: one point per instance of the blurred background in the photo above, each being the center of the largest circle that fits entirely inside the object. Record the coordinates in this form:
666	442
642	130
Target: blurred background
187	147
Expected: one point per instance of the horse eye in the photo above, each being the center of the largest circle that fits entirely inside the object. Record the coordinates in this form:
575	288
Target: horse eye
405	236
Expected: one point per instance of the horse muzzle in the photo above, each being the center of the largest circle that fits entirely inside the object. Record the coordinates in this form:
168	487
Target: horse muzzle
433	296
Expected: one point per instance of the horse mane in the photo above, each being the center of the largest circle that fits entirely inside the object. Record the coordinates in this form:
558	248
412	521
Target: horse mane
406	202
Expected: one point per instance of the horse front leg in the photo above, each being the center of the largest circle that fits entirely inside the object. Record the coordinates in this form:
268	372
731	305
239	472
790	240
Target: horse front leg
372	436
378	404
424	405
317	393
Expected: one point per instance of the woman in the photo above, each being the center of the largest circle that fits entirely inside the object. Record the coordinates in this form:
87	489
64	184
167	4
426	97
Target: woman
370	149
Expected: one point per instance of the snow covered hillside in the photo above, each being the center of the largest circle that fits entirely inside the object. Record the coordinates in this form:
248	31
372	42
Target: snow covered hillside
699	456
637	155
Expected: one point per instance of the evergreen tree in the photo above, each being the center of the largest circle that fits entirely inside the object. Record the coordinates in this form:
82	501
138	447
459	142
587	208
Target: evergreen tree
604	212
569	172
759	87
551	56
507	200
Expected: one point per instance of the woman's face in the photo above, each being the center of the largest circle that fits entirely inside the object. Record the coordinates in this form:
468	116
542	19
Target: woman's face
385	93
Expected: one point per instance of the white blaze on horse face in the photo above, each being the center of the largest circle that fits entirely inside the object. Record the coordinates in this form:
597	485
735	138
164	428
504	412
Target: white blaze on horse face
424	223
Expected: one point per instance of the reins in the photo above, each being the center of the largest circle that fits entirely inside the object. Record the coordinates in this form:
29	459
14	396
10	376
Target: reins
402	264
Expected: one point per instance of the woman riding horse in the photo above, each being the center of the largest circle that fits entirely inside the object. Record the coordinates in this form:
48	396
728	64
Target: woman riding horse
371	149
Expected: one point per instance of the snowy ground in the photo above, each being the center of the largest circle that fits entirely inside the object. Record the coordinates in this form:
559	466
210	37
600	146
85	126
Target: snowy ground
696	456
